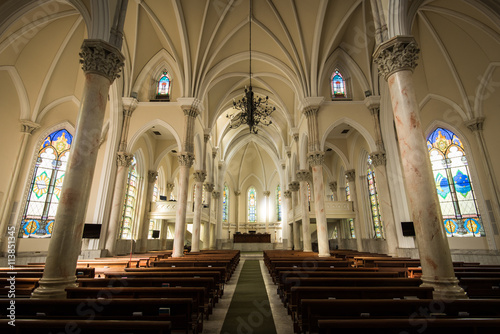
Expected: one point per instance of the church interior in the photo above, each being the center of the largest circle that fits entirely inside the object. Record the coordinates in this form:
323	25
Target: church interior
262	137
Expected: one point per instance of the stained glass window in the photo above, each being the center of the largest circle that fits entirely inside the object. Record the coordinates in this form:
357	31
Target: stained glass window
252	205
456	196
350	221
129	202
225	204
163	88
278	203
374	202
46	185
338	85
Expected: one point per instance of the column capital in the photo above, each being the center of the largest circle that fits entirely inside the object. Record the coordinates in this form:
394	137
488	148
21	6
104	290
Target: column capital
287	194
216	194
397	54
333	186
378	158
169	186
190	106
316	158
185	158
373	104
152	175
100	57
475	124
303	175
199	175
310	105
267	193
129	104
350	175
209	187
124	159
206	138
294	186
237	193
294	132
214	152
28	126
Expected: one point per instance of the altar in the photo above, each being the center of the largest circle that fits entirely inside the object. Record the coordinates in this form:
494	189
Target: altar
251	238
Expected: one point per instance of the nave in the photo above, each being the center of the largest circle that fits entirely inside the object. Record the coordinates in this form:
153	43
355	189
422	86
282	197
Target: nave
276	291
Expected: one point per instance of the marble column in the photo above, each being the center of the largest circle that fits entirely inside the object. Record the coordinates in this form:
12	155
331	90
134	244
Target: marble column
303	175
237	194
199	178
169	187
385	203
164	234
209	187
144	230
294	187
351	177
289	235
101	63
217	240
186	160
27	128
123	161
333	188
316	161
396	60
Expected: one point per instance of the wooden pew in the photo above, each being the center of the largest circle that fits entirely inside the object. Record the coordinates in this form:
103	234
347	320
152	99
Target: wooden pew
44	326
481	287
222	270
312	310
277	270
414	326
34	271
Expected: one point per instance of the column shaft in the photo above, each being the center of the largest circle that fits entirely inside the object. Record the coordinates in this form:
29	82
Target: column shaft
185	162
354	196
144	228
316	162
306	231
199	177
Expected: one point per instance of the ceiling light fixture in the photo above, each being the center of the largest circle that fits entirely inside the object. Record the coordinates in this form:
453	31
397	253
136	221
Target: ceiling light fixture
253	111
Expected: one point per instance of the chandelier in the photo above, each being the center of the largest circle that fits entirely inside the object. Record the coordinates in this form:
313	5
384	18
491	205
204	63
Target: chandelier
253	111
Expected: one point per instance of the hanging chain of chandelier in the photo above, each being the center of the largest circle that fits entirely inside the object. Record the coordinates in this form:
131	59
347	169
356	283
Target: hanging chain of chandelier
253	111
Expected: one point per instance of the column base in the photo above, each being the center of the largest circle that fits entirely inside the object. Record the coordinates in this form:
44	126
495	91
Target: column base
444	288
324	255
54	288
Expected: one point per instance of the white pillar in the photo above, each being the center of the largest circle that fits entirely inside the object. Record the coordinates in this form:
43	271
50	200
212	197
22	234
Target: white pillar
217	240
351	177
396	60
169	187
316	161
266	194
144	229
333	188
237	194
209	187
199	177
101	63
289	231
294	187
303	175
185	162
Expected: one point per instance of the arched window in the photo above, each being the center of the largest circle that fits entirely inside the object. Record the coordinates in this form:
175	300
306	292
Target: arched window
225	204
163	87
46	185
252	205
351	221
455	192
278	203
338	85
374	202
129	202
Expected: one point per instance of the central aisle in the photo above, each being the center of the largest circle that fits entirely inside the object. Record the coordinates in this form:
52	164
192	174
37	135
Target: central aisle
249	311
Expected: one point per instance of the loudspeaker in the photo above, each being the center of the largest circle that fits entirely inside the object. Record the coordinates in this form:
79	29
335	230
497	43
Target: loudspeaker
91	231
156	234
163	198
408	229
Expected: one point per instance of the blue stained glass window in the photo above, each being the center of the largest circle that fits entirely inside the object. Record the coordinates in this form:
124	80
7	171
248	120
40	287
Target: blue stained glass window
456	196
374	202
338	85
225	204
278	203
46	186
252	205
129	202
163	88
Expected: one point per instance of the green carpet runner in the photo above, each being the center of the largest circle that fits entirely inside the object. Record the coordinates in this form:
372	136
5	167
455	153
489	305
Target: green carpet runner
249	311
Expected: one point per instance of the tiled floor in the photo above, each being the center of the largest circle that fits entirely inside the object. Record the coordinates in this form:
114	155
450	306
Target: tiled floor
282	321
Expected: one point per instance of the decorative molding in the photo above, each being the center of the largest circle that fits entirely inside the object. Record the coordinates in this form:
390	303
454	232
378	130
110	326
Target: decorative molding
287	194
475	124
209	187
350	175
397	54
169	187
216	194
100	57
199	175
311	111
28	126
373	103
129	104
378	159
316	158
237	193
294	186
185	159
152	175
333	186
206	138
267	193
214	152
303	175
124	159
